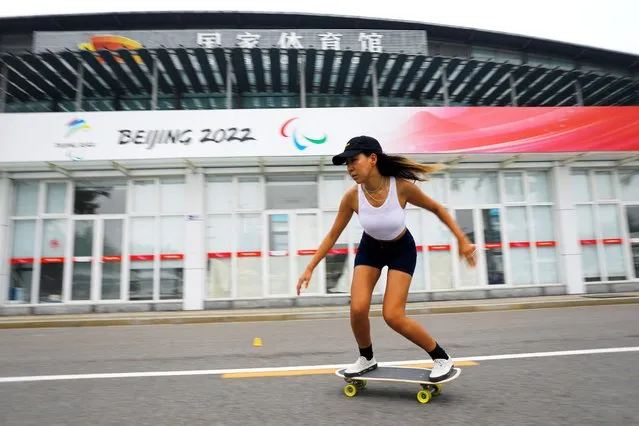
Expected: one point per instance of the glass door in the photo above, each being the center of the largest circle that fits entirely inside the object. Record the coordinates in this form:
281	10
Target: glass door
111	265
97	259
84	258
632	216
307	241
278	248
470	224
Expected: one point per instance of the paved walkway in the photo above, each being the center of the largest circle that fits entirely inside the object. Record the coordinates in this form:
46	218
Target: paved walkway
280	314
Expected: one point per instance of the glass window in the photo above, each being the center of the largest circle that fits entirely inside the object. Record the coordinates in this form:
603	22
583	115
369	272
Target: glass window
603	185
586	230
56	198
333	189
100	197
514	184
307	241
474	188
220	236
546	254
581	187
249	194
249	262
439	266
544	226
291	192
219	194
538	187
54	233
520	251
142	248
172	195
171	257
629	180
435	188
336	261
611	234
145	197
22	254
26	198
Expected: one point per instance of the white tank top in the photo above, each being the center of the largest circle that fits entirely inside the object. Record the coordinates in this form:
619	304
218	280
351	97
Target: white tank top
385	222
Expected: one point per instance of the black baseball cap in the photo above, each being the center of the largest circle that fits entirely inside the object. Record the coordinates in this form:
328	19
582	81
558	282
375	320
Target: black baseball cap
357	145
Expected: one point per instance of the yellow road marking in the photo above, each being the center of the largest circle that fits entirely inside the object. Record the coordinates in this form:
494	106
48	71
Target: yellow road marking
318	371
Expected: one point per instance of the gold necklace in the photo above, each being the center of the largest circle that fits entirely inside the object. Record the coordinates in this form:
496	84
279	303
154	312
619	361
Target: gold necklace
383	182
370	193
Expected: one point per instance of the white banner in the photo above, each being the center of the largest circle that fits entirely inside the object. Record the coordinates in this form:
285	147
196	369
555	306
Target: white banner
31	137
57	137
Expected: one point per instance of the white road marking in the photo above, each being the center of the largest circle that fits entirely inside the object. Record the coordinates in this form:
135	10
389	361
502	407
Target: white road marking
20	379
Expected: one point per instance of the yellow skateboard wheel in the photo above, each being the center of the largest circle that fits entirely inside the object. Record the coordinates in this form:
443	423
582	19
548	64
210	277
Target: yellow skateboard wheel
423	396
350	390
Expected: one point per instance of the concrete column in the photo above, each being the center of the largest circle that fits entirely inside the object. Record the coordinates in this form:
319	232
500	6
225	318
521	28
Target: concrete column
195	252
5	205
566	228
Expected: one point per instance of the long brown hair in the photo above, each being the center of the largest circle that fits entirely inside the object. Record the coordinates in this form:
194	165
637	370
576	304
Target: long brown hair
402	167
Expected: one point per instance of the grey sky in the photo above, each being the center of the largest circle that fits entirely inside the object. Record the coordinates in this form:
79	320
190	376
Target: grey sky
609	24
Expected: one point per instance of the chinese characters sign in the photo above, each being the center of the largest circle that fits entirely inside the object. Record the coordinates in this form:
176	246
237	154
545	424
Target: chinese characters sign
378	41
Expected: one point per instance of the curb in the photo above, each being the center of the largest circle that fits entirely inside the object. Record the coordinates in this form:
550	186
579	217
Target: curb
291	316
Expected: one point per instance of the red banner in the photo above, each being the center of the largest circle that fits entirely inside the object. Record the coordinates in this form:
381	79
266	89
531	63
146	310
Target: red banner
518	130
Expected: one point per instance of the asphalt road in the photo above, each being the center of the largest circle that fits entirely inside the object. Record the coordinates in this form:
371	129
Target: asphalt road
584	388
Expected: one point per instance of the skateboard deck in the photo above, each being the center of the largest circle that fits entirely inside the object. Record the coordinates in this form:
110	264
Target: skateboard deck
419	376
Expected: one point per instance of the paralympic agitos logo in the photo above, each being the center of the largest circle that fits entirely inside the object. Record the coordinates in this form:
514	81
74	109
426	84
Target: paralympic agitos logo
291	129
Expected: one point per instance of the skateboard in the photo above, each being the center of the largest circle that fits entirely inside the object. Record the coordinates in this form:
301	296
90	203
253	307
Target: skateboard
399	374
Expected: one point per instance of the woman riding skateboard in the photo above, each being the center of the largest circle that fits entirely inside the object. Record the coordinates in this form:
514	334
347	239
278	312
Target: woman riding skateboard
384	187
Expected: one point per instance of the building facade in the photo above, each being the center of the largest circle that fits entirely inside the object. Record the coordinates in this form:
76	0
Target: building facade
137	176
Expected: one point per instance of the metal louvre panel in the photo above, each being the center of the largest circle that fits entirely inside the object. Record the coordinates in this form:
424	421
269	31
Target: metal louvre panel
185	60
167	62
392	75
88	78
471	85
29	75
40	66
309	71
497	75
91	61
151	63
259	69
111	74
431	68
362	70
118	71
327	70
135	69
410	76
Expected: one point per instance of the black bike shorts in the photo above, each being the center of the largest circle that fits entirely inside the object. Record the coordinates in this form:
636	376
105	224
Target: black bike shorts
400	254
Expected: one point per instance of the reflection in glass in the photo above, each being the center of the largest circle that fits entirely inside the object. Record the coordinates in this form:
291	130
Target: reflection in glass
172	245
52	268
112	259
249	247
82	260
22	248
306	243
26	198
103	197
142	248
493	242
468	276
219	232
56	198
520	251
336	261
278	259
